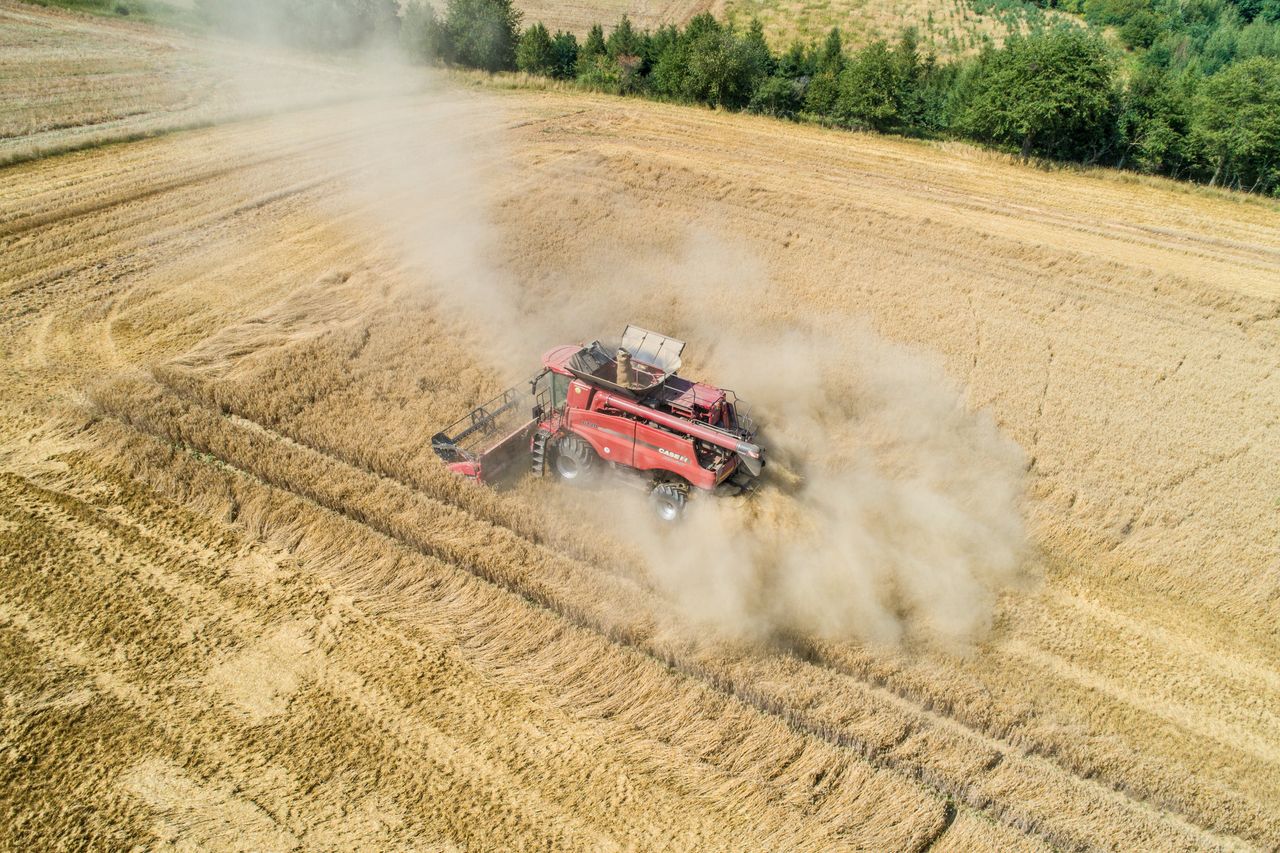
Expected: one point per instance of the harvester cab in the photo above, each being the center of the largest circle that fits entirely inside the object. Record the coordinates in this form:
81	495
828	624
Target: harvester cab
619	409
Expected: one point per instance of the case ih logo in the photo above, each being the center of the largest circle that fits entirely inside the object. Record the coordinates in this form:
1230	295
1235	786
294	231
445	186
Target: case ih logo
673	455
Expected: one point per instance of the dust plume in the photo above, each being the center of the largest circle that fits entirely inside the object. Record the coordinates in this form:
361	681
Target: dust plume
889	510
423	175
410	159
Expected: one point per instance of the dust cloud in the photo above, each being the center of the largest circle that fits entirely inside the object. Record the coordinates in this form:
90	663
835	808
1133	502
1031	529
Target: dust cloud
890	512
412	161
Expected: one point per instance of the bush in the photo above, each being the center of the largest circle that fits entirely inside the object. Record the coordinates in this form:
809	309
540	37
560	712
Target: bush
777	96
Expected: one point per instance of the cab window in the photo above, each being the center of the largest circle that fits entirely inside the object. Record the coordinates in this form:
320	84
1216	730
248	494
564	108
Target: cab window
559	390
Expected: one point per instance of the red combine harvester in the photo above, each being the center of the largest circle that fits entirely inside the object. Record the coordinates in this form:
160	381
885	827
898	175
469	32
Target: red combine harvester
623	410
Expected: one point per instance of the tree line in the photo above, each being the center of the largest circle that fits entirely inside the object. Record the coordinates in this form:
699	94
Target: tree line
1191	91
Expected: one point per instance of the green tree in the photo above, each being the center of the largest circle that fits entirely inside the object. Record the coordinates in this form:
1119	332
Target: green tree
868	94
824	86
831	57
910	72
668	73
756	47
591	49
665	38
536	53
936	95
1113	12
483	33
564	48
1259	10
624	41
721	69
1051	93
797	62
672	72
1235	125
821	93
1142	29
625	49
1260	38
1152	122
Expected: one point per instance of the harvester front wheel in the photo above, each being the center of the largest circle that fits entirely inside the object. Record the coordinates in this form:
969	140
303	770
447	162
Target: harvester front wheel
668	501
575	460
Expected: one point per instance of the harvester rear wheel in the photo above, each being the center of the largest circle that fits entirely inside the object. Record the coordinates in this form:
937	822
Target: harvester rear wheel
575	460
668	501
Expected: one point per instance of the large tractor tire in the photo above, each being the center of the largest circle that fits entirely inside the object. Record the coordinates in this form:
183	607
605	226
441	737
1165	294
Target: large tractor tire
668	501
575	460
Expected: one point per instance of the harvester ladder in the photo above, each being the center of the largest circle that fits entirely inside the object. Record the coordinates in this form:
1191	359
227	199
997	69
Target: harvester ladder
539	454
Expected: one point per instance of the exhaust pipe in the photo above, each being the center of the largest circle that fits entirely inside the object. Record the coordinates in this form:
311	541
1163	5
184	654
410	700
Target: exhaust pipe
624	369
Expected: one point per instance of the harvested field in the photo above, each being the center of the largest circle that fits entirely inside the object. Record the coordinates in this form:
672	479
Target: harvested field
71	80
243	605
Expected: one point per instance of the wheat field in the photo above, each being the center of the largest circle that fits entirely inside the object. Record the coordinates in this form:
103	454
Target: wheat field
243	606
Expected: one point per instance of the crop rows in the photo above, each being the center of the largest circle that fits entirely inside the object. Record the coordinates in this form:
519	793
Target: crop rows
890	732
1220	778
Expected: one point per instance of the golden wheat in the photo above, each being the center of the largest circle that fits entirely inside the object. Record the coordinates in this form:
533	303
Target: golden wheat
245	594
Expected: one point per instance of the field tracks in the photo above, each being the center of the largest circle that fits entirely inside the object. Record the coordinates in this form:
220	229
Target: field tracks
947	765
180	597
967	737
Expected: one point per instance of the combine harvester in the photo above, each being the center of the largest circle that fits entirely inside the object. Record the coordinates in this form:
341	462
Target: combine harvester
624	411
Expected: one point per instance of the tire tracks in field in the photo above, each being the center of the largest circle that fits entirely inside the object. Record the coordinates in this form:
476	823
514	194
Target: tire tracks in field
1002	756
19	225
903	698
319	148
497	774
398	654
842	161
531	597
733	175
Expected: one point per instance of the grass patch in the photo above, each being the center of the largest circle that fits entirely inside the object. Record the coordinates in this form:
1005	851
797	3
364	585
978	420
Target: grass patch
147	11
